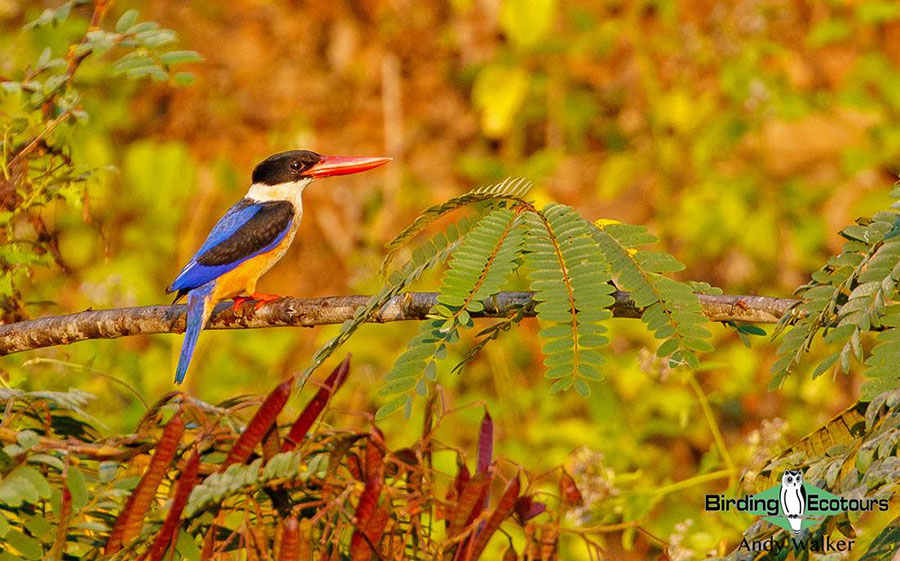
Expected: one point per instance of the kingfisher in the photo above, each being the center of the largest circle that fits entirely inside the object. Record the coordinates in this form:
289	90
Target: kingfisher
251	237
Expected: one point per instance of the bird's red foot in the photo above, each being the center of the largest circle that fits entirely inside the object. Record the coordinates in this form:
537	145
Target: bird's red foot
238	302
262	298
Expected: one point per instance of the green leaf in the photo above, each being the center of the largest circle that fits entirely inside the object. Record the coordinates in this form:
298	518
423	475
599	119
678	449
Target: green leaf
572	286
154	72
36	480
562	385
133	61
478	269
47	16
498	93
178	57
142	27
509	188
827	31
126	21
156	37
391	407
752	330
106	471
77	487
877	11
527	22
44	58
98	42
46	459
825	365
582	388
672	310
183	78
38	527
854	290
27	439
62	13
186	546
24	484
26	546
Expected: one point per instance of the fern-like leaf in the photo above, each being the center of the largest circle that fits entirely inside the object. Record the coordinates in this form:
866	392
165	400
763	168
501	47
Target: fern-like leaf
854	293
672	310
867	302
510	189
571	284
822	298
434	251
845	298
885	357
478	269
481	266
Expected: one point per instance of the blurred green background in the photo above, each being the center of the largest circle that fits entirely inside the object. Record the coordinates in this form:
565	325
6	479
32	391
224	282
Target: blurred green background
744	133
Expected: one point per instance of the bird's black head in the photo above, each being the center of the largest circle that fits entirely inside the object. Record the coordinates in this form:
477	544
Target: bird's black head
285	167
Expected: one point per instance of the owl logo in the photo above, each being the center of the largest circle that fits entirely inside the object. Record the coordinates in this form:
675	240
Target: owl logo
793	498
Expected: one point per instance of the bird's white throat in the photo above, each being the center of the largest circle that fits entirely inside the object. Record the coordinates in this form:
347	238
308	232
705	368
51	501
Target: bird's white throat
290	191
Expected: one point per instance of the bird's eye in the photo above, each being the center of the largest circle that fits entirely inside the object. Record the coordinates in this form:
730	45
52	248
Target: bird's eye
295	166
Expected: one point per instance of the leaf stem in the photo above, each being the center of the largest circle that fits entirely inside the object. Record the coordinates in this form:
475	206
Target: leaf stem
571	293
690	482
714	428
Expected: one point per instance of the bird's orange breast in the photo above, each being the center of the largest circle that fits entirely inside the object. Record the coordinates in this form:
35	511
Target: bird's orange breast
242	279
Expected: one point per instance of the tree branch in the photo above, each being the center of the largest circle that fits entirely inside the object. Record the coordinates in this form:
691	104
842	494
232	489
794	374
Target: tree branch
307	312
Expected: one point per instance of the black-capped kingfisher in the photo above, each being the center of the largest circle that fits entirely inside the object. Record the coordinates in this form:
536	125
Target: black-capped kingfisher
252	236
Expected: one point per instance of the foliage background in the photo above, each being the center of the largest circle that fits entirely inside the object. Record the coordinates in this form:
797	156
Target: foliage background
744	134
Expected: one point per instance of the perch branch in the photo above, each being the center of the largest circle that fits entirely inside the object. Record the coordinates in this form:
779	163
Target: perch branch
307	312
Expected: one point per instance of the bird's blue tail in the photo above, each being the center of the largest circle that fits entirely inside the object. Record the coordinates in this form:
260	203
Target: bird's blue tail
200	306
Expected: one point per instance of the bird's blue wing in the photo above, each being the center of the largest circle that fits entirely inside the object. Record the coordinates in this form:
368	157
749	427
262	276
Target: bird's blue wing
249	228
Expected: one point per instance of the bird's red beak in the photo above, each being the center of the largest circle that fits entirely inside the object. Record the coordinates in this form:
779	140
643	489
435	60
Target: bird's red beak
329	166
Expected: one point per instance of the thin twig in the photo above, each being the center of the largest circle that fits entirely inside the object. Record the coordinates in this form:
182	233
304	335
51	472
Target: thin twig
37	139
716	431
689	482
308	312
122	449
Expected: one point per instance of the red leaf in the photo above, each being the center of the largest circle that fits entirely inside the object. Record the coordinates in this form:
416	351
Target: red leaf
355	467
568	490
368	531
128	524
455	490
259	425
186	482
369	519
314	408
209	542
306	543
504	508
462	477
485	444
469	504
527	508
271	443
290	540
114	540
485	450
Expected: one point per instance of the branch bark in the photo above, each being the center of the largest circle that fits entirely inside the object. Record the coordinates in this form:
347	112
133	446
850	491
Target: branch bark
308	312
